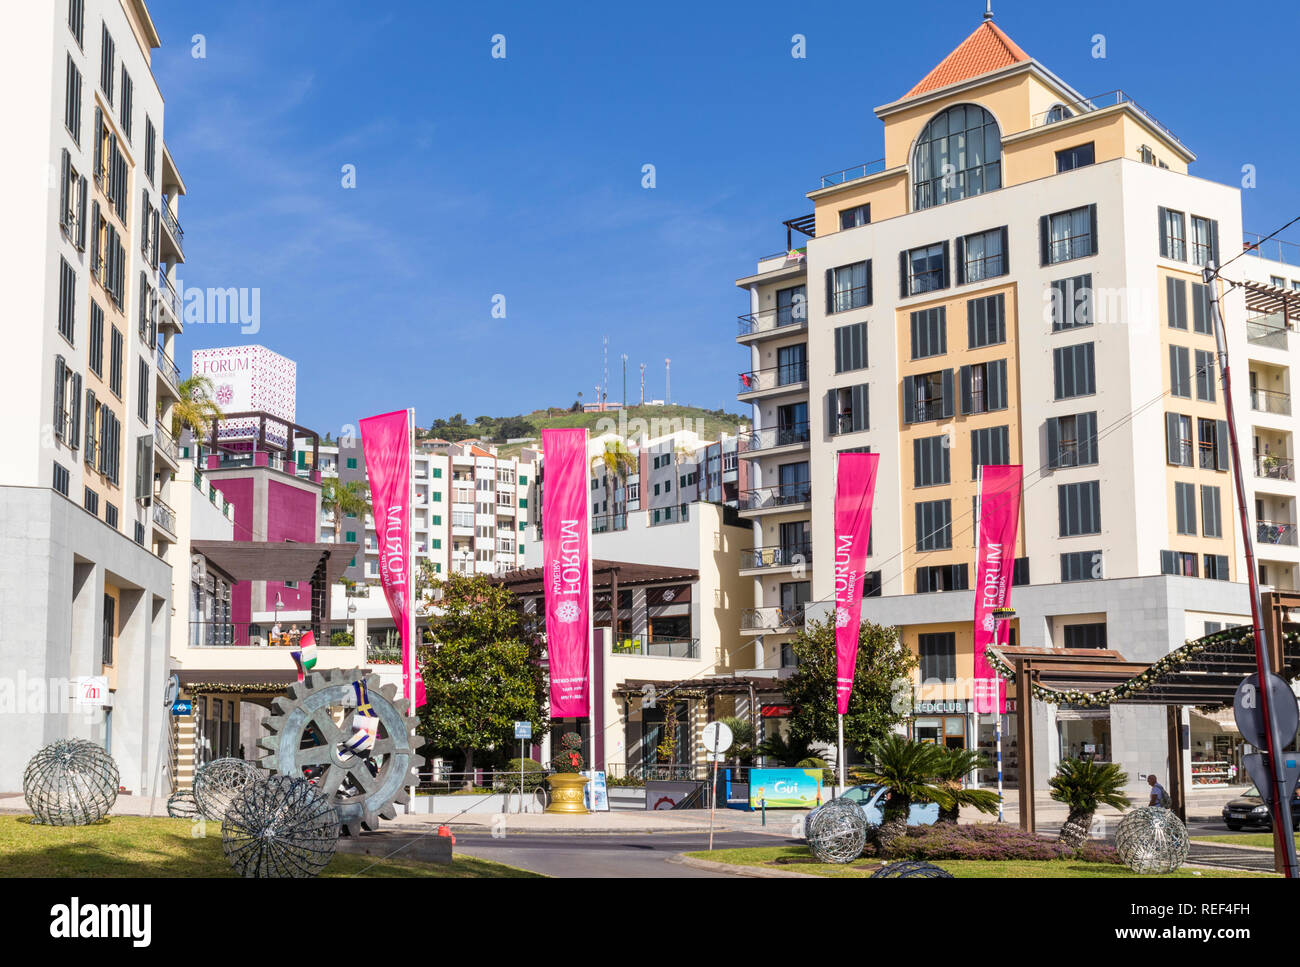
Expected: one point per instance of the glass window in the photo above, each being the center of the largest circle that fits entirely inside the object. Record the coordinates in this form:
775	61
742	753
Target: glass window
855	217
983	255
1077	157
791	306
1205	240
926	269
850	287
959	154
1070	235
1173	230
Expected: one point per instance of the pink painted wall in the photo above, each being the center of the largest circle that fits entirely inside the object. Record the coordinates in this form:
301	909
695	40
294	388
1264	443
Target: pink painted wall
239	491
291	514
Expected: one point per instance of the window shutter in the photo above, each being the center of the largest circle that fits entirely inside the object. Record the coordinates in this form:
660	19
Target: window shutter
1053	443
839	350
966	401
63	189
948	394
1059	358
832	415
858	395
1173	440
1214	241
90	427
74	431
902	275
961	259
60	376
996	384
909	399
1006	252
1085	428
1220	444
946	277
1086	359
830	292
1044	240
1092	228
81	213
869	289
1161	221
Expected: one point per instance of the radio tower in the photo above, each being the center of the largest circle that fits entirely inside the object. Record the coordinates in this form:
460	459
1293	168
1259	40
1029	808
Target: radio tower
604	361
643	384
668	382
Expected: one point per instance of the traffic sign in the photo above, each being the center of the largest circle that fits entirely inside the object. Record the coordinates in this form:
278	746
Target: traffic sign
523	730
1250	717
716	737
182	706
1257	768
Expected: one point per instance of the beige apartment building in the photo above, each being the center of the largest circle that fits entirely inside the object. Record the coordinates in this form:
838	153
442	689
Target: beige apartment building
1019	280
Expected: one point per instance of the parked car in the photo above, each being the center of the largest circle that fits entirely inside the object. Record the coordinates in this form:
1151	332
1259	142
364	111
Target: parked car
871	799
1248	809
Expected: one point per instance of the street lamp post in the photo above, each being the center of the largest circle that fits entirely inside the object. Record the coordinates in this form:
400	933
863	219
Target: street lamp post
1001	614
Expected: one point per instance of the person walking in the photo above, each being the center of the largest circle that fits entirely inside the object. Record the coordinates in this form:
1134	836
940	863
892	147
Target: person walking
1158	795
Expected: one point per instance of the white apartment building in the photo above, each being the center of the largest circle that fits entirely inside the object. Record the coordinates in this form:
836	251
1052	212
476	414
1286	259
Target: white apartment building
87	531
1018	280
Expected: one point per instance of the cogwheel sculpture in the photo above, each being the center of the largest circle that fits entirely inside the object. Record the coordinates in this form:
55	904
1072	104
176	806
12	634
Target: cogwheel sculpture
1152	839
70	782
279	827
182	805
218	782
911	869
837	832
311	730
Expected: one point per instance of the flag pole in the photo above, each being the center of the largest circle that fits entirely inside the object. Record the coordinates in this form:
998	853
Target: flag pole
413	669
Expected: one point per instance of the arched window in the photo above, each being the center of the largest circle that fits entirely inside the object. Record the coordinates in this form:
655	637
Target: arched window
958	154
1059	112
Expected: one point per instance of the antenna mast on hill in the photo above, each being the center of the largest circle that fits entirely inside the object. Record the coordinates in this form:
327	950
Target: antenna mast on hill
604	361
643	384
668	382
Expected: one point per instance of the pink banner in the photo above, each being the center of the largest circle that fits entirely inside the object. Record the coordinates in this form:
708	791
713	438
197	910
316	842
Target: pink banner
386	442
566	527
855	487
995	561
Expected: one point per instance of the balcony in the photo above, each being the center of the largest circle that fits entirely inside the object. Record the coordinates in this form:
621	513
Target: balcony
1274	468
245	634
781	556
655	646
776	437
788	377
1096	103
604	523
168	369
1266	332
845	175
781	320
1275	532
165	443
164	516
1269	401
168	296
782	620
173	226
774	498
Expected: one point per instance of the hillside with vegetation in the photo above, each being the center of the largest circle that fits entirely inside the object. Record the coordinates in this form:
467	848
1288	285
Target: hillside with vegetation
652	420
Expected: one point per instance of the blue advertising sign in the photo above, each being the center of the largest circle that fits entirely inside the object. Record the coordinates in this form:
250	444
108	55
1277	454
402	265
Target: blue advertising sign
182	706
595	794
785	788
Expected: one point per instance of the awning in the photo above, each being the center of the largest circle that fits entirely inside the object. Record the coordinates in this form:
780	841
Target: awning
277	560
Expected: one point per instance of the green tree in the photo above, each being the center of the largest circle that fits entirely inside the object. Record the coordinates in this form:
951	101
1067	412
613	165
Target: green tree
907	769
1083	785
742	740
953	766
618	462
881	686
195	410
343	499
481	665
791	752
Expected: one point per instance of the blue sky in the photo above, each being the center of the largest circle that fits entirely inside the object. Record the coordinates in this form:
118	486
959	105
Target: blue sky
522	177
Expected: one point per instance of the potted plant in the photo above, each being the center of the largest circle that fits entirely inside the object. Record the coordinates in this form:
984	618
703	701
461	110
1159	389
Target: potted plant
566	783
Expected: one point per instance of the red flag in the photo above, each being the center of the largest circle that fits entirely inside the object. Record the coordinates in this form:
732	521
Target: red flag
566	529
855	488
386	442
994	563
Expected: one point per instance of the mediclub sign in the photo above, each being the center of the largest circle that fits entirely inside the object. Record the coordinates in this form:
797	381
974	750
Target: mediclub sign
785	788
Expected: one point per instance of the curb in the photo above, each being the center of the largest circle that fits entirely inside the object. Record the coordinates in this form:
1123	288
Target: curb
486	828
734	869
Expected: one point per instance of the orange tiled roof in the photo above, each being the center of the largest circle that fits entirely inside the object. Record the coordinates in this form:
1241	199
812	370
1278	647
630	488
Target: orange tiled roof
987	49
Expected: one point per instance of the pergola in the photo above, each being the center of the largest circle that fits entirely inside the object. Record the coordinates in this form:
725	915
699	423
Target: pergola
1203	673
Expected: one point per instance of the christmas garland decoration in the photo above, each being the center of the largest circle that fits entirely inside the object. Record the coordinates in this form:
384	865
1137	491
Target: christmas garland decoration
237	688
1171	662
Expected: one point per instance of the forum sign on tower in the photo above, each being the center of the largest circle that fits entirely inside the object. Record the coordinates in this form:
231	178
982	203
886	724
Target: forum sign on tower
250	379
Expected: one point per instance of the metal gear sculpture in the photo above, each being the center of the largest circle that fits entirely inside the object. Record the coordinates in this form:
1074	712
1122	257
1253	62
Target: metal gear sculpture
70	782
218	782
837	832
280	827
911	869
311	728
1152	839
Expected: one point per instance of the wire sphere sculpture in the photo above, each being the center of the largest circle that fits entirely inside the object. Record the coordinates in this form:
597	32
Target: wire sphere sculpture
280	827
70	782
837	831
183	805
218	782
1152	839
911	869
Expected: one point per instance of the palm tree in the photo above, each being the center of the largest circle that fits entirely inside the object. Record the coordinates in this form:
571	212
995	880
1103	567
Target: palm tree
954	765
617	461
742	739
791	752
196	409
1083	785
342	499
908	770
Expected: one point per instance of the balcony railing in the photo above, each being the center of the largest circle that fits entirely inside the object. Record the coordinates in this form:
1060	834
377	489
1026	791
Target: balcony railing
779	317
672	514
787	374
172	224
167	293
853	174
166	443
785	555
1273	249
1274	468
604	523
168	368
770	437
1269	401
1261	333
237	634
771	619
1096	103
164	516
655	646
1275	532
779	496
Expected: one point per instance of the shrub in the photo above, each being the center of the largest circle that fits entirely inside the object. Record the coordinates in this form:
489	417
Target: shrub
569	757
988	841
342	639
534	776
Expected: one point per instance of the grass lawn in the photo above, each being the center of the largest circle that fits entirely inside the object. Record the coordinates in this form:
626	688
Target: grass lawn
780	857
134	846
1244	839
